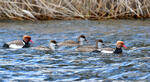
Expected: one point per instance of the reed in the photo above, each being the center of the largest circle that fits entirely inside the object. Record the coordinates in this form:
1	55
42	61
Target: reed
73	9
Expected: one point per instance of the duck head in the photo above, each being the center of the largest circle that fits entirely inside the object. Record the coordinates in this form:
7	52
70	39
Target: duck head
99	44
53	44
120	44
27	39
81	39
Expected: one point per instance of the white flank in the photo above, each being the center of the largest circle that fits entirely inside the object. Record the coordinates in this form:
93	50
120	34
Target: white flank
15	46
109	52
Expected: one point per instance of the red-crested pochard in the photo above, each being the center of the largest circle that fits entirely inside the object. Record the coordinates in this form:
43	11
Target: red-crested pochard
52	46
19	43
89	48
80	41
117	50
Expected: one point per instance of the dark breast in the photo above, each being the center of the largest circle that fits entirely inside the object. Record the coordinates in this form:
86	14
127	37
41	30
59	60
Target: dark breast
118	51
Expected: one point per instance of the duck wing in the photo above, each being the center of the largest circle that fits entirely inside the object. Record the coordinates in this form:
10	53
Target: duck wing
85	48
68	43
16	42
41	48
108	49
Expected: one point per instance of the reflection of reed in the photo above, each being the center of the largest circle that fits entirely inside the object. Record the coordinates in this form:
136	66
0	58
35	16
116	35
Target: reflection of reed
73	9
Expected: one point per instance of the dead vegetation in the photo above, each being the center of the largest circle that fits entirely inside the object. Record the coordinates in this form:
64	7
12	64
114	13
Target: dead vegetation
73	9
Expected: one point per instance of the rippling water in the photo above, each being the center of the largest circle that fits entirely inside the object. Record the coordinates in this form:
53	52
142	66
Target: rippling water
34	65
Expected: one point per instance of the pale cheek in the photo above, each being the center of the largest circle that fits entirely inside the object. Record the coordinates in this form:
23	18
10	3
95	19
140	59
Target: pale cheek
99	44
81	39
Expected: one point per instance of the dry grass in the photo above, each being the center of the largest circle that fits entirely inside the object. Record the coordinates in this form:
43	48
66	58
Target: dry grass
74	9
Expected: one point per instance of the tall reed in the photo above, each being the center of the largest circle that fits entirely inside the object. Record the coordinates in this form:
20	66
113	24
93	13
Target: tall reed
73	9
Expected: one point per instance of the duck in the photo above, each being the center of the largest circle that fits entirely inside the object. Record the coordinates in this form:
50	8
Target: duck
52	46
90	48
117	50
25	43
80	41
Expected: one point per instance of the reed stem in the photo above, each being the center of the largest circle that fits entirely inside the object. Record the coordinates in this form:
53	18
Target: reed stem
74	9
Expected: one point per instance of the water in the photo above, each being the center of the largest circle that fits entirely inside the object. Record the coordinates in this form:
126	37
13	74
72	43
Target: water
34	65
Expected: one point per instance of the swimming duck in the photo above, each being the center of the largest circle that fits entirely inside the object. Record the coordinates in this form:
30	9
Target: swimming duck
80	41
19	43
89	48
117	50
52	46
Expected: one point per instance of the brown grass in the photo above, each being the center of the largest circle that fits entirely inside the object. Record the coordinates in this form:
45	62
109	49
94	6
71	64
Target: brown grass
73	9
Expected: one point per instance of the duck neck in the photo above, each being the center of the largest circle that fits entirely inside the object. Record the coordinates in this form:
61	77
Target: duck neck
52	46
118	50
80	42
26	44
99	45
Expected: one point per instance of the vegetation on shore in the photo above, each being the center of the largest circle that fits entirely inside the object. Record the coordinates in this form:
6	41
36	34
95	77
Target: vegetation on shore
74	9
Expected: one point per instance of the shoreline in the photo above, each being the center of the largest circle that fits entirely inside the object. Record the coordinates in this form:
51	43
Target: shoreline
74	10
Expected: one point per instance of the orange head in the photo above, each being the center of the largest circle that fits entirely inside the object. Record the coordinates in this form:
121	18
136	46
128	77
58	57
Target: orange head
120	44
27	38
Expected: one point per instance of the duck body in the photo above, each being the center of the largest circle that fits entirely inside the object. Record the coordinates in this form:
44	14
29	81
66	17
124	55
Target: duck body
85	48
17	44
106	50
43	48
111	50
68	43
80	41
90	48
52	46
117	50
